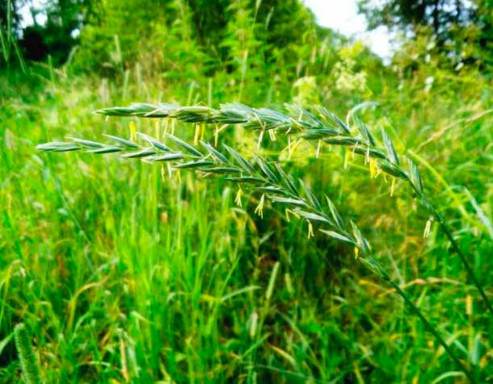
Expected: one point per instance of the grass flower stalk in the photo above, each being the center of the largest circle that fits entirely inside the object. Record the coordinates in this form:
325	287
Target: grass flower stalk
322	127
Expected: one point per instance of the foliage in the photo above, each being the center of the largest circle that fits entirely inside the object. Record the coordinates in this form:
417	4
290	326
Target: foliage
55	37
58	35
459	30
438	14
125	272
9	21
270	180
274	181
30	366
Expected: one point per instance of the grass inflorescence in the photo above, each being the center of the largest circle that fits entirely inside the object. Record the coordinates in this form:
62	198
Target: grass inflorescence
323	127
30	367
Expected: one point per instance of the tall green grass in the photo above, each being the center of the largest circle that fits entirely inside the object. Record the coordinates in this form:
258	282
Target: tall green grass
8	42
324	129
270	180
121	275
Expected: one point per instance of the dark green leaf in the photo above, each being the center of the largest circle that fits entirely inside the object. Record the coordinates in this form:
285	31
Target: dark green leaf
266	169
312	216
222	170
58	146
335	214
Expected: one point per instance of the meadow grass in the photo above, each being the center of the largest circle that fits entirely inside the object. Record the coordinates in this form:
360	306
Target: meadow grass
272	182
325	128
172	281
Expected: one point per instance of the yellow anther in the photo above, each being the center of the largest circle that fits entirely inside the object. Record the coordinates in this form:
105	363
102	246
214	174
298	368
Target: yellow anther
133	131
260	207
239	194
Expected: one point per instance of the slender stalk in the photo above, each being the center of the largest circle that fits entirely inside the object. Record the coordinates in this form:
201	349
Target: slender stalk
432	330
383	274
462	257
259	176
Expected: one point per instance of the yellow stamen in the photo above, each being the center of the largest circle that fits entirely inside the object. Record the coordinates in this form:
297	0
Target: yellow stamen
260	207
373	168
310	230
133	130
468	305
261	123
347	157
296	145
197	134
173	126
156	128
260	137
238	197
202	131
290	212
166	125
427	230
216	134
392	187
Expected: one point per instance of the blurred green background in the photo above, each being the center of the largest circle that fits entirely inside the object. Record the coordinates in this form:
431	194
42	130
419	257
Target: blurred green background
123	276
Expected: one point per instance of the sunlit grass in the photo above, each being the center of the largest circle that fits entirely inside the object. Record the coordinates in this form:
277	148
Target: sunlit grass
123	276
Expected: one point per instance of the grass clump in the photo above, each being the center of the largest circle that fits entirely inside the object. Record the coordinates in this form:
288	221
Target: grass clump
268	180
326	128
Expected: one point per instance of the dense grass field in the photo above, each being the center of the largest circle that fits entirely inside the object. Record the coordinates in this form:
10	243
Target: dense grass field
122	273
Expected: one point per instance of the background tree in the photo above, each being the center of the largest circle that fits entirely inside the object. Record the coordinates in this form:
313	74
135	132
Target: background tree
460	29
9	28
55	37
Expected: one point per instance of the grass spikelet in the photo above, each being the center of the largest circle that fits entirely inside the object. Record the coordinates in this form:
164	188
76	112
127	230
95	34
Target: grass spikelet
29	364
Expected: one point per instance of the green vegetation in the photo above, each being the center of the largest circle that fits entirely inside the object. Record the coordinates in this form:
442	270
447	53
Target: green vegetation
30	367
256	267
